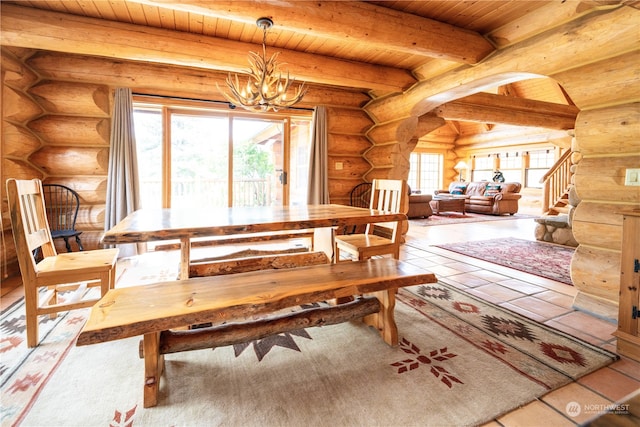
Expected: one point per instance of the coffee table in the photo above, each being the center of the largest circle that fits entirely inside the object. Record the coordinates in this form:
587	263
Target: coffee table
447	204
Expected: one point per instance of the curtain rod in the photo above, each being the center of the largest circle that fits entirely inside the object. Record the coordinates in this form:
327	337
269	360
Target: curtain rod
209	101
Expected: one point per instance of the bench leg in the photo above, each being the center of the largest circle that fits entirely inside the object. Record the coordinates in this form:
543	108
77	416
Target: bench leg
384	321
153	367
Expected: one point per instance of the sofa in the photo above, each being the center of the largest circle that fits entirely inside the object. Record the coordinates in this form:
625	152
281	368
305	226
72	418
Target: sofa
419	206
493	198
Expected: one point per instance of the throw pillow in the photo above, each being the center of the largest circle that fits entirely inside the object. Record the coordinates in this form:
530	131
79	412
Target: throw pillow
492	190
459	189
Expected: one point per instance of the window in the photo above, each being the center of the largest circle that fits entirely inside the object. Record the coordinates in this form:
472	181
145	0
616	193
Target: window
425	172
482	168
510	164
540	162
193	155
515	166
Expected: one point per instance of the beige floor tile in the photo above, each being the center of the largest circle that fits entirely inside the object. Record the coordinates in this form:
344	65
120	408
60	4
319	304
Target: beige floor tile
592	325
577	401
540	307
469	280
521	286
422	262
489	276
574	332
444	271
610	383
628	367
535	414
522	311
461	266
497	293
557	298
562	288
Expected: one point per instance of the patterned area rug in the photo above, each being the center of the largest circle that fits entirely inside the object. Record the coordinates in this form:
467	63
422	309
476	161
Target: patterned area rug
539	258
461	361
446	218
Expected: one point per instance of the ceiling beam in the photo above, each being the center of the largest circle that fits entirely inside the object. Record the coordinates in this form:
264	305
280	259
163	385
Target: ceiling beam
361	22
489	108
59	32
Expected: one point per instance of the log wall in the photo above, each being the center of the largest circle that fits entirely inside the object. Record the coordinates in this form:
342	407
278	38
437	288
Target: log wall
593	59
57	131
56	112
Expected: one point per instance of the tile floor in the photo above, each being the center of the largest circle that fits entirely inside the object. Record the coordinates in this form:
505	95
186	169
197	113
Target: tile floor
541	299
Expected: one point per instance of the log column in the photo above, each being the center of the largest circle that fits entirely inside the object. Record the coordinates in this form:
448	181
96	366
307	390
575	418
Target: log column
606	145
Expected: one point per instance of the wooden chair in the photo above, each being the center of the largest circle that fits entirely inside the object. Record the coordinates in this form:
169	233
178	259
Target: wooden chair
59	273
378	238
62	204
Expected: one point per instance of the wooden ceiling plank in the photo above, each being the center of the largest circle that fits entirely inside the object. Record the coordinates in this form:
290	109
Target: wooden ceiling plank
375	26
135	11
39	29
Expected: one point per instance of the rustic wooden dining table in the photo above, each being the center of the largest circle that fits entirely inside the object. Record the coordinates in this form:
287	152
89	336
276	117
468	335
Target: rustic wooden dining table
146	225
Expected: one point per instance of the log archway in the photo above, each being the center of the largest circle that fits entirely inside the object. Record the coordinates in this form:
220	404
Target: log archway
602	87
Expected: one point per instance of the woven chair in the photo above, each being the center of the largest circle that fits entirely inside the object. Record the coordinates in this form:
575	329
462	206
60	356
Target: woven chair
379	238
69	278
62	204
360	197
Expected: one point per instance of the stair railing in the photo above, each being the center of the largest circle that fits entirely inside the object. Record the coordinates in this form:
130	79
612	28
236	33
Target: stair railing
556	181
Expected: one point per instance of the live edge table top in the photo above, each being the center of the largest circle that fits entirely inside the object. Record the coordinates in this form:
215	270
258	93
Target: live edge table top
164	224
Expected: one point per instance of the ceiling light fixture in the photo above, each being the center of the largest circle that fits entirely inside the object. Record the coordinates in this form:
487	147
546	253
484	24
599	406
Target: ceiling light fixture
265	88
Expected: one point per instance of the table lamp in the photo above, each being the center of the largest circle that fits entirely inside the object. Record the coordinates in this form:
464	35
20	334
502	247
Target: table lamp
460	166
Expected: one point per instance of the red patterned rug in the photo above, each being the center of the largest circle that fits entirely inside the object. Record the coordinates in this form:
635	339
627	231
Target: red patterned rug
538	258
461	361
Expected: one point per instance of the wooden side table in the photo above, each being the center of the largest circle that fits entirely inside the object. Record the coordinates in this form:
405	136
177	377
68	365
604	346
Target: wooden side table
447	204
628	332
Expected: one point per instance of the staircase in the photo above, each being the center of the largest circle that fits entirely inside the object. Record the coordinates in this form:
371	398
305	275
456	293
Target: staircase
555	224
557	182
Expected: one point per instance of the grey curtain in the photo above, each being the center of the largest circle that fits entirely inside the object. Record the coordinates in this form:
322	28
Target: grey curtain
123	195
318	191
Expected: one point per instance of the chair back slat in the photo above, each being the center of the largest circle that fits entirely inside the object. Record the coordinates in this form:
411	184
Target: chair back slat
387	195
29	223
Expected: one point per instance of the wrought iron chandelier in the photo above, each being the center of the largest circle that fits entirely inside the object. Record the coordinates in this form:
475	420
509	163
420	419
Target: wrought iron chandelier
265	88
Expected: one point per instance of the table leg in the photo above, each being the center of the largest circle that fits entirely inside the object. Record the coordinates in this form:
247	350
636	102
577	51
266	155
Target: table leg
153	367
324	240
185	255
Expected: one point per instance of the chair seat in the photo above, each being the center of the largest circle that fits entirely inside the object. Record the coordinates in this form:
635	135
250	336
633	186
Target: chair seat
364	246
88	262
362	240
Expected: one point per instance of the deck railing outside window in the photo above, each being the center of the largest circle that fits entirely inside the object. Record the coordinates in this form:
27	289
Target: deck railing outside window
212	193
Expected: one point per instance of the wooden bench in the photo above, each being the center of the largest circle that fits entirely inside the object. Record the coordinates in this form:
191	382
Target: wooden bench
242	239
152	311
250	260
